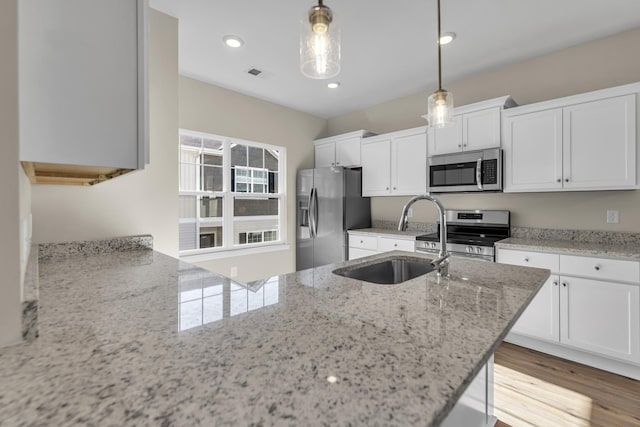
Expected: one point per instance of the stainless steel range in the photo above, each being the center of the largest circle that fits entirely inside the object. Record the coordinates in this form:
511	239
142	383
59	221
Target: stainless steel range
470	234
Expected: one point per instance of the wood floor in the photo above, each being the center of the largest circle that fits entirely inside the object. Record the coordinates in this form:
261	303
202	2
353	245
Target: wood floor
534	389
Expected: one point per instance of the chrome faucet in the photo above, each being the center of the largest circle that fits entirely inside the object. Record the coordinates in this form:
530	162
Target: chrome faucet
442	262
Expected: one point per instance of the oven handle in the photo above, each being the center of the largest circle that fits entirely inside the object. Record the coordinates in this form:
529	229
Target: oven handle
479	173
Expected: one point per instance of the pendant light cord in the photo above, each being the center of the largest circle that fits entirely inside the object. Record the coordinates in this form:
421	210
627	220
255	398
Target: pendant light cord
439	52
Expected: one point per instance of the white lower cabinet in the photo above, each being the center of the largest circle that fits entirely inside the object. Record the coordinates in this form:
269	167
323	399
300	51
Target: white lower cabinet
590	306
541	318
601	317
365	244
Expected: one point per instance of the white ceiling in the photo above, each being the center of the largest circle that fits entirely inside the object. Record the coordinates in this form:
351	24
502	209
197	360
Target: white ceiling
388	47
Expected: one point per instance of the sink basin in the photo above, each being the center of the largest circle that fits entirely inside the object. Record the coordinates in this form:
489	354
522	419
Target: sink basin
389	271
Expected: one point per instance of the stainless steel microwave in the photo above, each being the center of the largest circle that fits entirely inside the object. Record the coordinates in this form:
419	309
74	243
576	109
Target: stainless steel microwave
467	171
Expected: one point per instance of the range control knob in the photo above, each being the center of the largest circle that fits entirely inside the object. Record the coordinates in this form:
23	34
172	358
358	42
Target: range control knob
478	250
469	248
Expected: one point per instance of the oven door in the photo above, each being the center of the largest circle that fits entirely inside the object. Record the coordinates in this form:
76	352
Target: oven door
464	172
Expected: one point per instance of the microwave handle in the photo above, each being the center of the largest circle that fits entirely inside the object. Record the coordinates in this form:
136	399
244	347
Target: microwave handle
479	173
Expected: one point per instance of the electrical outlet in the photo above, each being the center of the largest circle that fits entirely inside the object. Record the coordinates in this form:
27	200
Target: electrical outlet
233	272
613	217
410	213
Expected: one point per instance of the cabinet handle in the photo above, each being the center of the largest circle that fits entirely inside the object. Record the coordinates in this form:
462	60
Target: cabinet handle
464	145
526	260
387	188
555	283
395	245
333	164
566	180
564	284
361	241
559	180
337	163
394	188
459	146
597	267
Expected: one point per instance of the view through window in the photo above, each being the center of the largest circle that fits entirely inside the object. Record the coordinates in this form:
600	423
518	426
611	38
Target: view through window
230	192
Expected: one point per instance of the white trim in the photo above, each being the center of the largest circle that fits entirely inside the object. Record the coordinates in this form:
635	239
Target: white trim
255	248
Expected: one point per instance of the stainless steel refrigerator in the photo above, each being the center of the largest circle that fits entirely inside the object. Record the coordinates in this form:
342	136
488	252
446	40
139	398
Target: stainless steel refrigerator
329	202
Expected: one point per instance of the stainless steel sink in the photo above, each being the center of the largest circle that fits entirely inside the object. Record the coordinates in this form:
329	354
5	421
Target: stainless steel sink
389	271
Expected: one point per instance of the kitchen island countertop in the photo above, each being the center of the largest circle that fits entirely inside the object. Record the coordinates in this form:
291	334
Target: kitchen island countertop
140	338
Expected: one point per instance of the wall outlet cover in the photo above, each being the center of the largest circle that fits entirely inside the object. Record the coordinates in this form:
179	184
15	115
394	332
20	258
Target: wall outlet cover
613	217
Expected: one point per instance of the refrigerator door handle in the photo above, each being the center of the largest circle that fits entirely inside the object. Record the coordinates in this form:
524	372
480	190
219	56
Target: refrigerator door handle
315	212
311	214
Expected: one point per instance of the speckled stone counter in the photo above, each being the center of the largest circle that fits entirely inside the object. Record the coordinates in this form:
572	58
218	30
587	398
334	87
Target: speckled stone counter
139	338
623	250
408	234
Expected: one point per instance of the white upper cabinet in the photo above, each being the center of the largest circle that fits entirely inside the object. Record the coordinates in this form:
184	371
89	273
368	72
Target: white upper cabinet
599	140
340	150
395	164
476	127
533	151
583	142
83	83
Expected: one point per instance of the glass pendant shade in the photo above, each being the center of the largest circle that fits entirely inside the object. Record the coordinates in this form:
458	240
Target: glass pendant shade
440	109
320	44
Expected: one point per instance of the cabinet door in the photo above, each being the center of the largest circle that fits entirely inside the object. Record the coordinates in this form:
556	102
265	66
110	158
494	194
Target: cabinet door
533	151
600	144
600	317
376	168
446	140
81	83
481	129
348	152
409	165
541	319
325	155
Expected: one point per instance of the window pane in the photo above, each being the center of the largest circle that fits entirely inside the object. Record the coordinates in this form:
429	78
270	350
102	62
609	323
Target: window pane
190	140
189	177
211	207
238	155
212	159
187	224
256	157
211	145
273	182
255	207
211	178
210	237
271	158
255	220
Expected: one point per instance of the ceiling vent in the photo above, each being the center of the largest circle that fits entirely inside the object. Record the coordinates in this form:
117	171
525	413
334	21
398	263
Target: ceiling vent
254	72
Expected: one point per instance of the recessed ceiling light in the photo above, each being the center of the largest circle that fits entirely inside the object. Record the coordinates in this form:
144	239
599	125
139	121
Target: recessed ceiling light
331	379
333	85
233	41
447	38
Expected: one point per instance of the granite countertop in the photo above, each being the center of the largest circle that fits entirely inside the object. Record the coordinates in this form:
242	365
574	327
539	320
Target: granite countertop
140	338
623	250
408	235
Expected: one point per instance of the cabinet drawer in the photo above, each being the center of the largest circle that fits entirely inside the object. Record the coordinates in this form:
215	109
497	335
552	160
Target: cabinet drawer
600	268
386	244
363	242
355	253
529	259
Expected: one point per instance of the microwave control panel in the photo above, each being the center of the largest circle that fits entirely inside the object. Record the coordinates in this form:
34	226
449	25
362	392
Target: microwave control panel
490	171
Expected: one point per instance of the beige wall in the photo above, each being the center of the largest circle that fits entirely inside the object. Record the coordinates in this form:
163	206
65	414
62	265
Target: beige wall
208	108
143	202
607	62
10	286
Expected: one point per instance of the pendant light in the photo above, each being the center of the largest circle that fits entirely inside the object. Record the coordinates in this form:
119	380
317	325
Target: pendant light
440	102
320	44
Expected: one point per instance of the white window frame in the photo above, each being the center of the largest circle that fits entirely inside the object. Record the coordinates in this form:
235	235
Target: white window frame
228	196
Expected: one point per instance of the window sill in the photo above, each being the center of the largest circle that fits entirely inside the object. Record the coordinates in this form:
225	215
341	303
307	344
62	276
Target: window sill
228	253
